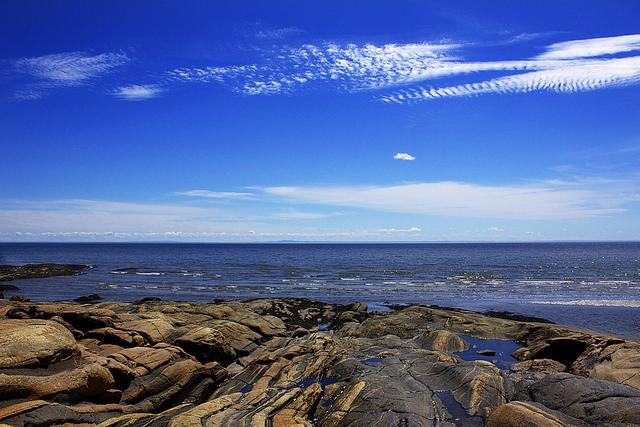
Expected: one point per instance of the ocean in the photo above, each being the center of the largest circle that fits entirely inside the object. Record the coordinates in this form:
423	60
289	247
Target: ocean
591	285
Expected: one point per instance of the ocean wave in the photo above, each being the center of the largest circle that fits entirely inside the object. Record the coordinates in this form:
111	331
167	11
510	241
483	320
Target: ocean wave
546	282
594	303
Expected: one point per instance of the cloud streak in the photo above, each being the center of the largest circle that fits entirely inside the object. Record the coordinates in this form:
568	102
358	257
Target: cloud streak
592	47
575	76
207	194
456	199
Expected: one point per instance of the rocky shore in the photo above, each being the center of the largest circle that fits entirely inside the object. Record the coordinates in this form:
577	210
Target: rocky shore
287	362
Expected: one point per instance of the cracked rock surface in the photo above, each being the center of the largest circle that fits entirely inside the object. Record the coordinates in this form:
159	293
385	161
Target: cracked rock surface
291	362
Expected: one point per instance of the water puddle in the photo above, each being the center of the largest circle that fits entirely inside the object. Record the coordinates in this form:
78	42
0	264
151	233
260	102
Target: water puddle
482	349
372	361
458	415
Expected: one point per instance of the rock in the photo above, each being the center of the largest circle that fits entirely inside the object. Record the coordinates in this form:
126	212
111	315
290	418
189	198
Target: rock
88	298
518	317
539	365
154	331
173	384
300	332
486	352
4	288
161	363
442	340
527	414
116	336
622	366
148	299
19	298
596	402
358	307
143	360
32	271
88	382
207	344
42	413
565	349
348	316
32	343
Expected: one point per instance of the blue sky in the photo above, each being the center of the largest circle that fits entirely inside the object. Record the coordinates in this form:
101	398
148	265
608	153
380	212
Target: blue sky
320	121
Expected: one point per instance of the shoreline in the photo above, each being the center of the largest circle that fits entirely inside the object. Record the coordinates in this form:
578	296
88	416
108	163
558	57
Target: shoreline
293	361
77	283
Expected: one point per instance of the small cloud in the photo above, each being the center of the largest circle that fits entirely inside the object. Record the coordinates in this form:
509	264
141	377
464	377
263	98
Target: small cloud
403	156
496	229
137	92
216	194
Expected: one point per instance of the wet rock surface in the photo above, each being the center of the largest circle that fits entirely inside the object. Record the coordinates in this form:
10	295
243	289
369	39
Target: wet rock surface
290	362
34	271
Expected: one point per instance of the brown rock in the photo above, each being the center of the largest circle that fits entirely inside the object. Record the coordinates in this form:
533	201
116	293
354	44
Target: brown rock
442	340
207	344
28	343
90	381
623	366
154	331
526	414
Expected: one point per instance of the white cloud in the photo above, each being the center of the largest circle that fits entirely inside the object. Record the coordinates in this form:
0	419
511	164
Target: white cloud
403	156
216	194
137	92
496	229
592	47
456	199
63	69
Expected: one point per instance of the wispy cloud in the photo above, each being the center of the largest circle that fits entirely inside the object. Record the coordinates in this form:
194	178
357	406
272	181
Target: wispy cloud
565	67
350	67
456	199
403	156
63	69
207	194
588	48
137	92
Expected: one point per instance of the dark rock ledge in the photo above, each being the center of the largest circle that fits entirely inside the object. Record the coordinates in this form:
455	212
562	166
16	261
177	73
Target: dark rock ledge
36	271
289	362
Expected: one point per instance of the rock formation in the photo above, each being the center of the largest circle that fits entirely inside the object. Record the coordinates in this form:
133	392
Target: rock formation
289	362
